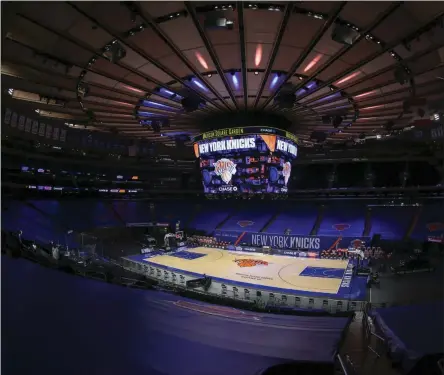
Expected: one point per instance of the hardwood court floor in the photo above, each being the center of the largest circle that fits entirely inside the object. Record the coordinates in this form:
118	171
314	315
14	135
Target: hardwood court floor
305	274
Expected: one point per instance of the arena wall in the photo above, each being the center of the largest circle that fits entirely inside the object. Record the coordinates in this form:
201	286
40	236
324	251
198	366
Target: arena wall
287	242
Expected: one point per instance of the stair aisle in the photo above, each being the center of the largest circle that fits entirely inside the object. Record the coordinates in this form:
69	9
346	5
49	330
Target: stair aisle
363	360
318	221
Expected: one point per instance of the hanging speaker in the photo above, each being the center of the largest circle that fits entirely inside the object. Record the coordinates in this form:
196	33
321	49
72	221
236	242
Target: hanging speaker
344	34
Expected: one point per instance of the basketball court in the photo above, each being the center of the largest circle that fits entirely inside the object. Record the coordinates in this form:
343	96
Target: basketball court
264	271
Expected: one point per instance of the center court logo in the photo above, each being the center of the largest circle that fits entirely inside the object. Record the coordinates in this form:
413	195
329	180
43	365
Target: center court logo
225	168
243	263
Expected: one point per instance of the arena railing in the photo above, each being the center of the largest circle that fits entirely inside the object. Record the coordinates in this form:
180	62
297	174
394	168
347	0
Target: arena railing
375	343
440	364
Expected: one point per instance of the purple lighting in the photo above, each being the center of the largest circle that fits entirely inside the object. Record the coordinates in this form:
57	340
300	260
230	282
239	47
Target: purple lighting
333	96
200	85
149	103
235	81
149	114
274	81
311	85
166	92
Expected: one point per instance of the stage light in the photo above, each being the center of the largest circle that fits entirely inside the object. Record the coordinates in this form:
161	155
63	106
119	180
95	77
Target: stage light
114	52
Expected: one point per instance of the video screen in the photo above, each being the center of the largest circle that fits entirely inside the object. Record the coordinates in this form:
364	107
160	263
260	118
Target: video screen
253	164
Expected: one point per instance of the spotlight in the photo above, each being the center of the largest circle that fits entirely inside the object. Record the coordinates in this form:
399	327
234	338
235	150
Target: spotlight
114	53
82	89
214	21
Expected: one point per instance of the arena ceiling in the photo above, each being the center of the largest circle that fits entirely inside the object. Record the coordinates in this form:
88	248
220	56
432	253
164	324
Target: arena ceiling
54	59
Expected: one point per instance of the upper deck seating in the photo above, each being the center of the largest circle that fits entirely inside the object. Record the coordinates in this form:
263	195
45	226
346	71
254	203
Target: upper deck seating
299	218
346	218
392	222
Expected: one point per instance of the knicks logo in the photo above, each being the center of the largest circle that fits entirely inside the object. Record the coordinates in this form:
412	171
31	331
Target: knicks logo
245	223
250	262
341	227
225	168
435	227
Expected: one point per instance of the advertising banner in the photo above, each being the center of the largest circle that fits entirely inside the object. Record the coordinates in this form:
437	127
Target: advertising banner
283	242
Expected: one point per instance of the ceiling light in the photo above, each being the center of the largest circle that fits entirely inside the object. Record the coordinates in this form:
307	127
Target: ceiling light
200	85
235	80
256	73
351	76
372	107
201	60
132	89
10	91
364	94
37	110
258	55
274	81
312	63
378	136
209	75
